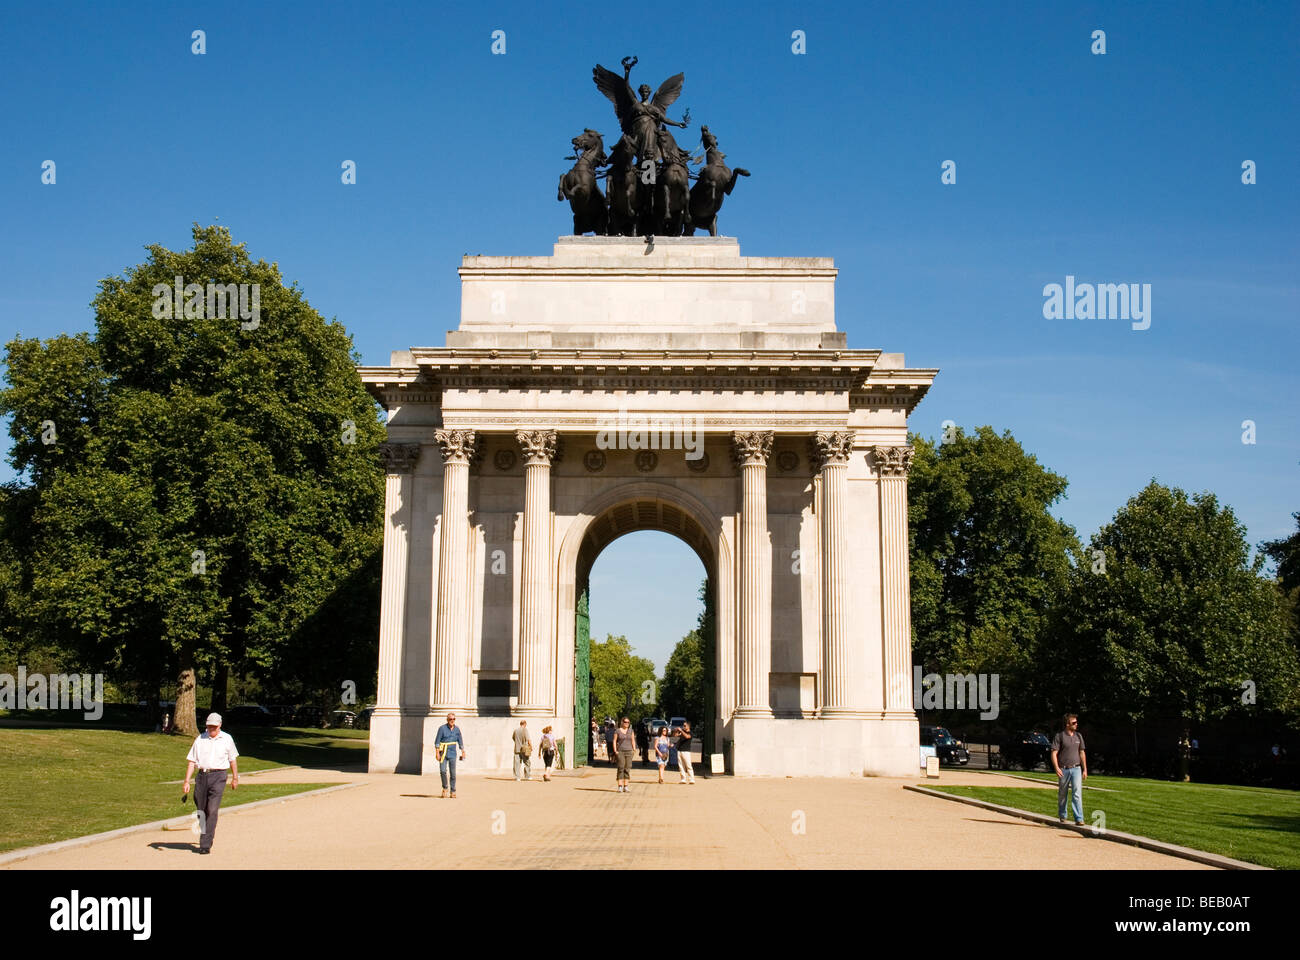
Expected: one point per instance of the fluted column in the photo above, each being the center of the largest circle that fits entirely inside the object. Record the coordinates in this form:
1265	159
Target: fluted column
451	645
754	649
399	463
892	464
536	621
840	680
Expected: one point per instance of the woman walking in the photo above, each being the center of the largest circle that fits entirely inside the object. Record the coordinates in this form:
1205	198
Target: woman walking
546	750
662	749
625	749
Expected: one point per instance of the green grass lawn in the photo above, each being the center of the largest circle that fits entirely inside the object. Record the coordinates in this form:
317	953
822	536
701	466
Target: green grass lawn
1247	823
62	782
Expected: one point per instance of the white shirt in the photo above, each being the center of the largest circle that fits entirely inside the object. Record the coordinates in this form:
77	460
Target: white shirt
213	753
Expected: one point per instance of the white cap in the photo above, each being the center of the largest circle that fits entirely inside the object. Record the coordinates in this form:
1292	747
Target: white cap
214	720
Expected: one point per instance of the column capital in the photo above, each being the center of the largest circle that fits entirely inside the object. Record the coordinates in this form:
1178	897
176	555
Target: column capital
830	447
457	445
893	461
399	457
539	445
751	447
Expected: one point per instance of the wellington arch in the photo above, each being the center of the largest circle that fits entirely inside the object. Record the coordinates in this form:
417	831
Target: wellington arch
621	385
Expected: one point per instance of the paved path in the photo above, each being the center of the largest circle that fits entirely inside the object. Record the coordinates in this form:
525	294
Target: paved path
579	821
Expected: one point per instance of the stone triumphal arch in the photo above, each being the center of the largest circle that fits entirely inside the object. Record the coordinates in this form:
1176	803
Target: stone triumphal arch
678	386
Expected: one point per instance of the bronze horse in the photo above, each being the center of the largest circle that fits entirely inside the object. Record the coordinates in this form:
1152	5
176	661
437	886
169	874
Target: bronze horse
670	212
579	185
715	182
622	191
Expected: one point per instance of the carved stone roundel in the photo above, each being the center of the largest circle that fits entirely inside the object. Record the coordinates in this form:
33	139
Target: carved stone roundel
699	464
594	461
504	459
647	460
787	460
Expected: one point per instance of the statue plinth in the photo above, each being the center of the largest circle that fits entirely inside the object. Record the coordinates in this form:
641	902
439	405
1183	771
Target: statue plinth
674	293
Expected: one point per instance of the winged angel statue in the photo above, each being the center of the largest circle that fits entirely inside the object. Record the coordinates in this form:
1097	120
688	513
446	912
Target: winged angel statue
640	119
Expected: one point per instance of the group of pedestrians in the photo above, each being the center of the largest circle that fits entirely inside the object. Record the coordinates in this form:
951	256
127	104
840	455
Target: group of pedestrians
621	745
547	748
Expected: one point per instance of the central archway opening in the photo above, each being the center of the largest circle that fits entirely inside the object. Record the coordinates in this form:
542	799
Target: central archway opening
644	624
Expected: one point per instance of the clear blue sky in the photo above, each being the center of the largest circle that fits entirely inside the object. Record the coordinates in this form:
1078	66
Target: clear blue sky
1117	168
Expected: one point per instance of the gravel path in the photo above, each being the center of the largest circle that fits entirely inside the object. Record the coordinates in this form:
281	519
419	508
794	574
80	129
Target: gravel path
579	821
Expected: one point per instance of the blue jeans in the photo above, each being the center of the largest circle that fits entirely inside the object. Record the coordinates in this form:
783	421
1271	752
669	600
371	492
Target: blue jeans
1071	780
449	760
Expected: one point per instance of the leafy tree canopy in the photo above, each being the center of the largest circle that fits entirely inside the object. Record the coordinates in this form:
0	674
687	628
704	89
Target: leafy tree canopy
202	483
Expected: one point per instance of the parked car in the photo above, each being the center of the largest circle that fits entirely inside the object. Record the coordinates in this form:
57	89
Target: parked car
652	725
282	712
342	718
947	748
1025	748
674	723
308	715
362	722
248	715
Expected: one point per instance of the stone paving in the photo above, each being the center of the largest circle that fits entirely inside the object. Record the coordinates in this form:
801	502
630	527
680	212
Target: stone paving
579	821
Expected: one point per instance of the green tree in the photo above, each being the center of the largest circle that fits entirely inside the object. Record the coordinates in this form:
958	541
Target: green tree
1285	553
620	679
1167	616
988	559
203	485
682	692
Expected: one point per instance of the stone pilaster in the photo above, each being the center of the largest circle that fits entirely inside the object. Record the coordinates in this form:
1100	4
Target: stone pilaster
451	653
536	620
840	686
754	649
399	463
892	464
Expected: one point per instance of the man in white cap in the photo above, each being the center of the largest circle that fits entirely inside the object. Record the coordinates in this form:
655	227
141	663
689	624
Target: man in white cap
213	754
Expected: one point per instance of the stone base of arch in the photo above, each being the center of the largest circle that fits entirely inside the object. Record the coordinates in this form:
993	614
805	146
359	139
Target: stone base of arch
881	746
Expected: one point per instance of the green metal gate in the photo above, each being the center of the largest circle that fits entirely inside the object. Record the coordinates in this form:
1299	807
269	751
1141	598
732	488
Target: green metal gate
581	679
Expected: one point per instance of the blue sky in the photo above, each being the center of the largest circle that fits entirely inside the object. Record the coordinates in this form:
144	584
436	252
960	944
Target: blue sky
1117	168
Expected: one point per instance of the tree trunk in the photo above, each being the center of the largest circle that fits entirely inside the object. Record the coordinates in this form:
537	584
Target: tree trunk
184	721
220	684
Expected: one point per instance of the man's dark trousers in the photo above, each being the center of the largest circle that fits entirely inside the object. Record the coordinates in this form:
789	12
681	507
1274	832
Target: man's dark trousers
208	788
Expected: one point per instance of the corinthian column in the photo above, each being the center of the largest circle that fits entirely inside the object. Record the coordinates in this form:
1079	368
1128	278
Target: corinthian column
451	650
536	623
841	686
892	464
399	462
754	653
